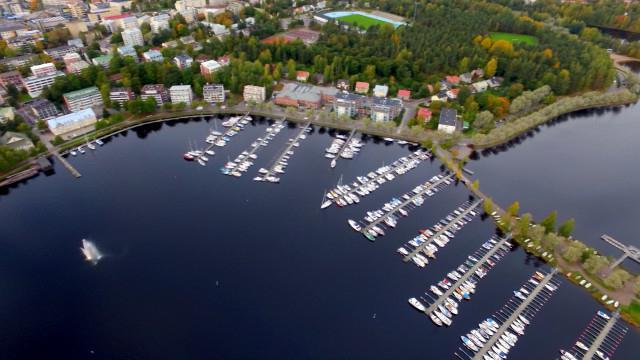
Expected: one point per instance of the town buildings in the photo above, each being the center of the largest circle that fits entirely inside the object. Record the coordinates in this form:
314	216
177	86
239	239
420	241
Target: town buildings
350	104
183	61
128	50
133	37
181	94
83	99
36	83
305	96
11	78
74	124
120	95
16	141
448	121
159	23
207	68
152	55
384	109
102	60
213	93
156	91
42	108
256	94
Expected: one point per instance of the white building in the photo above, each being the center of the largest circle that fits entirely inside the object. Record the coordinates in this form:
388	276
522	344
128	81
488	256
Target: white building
156	91
448	121
159	23
43	69
181	94
120	95
213	93
380	90
133	37
128	51
152	55
35	84
74	124
256	94
207	68
83	99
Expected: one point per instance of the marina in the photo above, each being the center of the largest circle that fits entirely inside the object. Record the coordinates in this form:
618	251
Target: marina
388	211
442	232
496	335
235	124
343	147
282	160
600	338
246	159
343	195
461	283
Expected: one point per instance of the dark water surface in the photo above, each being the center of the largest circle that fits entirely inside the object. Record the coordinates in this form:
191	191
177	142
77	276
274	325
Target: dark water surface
205	266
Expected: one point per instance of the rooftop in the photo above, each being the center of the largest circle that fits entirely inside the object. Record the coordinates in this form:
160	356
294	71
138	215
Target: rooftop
71	118
448	117
306	92
81	93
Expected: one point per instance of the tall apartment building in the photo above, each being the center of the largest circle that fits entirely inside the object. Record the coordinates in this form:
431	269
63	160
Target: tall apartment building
35	84
156	91
120	95
181	94
213	93
256	94
42	108
11	78
159	23
183	61
133	37
83	99
43	69
207	68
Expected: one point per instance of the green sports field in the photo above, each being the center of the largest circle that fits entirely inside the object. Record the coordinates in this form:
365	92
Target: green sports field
514	38
362	21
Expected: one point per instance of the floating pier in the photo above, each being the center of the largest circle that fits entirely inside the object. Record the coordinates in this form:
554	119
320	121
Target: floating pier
425	187
600	338
249	155
344	146
628	251
445	228
501	245
272	169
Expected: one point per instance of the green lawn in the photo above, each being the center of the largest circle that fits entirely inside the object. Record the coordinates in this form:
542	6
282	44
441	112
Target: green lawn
361	20
514	38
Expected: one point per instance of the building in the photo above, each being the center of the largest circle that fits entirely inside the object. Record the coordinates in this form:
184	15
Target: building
181	94
380	91
183	61
18	61
42	108
103	60
362	87
213	93
10	30
47	23
343	84
302	75
350	104
384	109
448	121
453	93
305	95
70	58
43	69
159	23
11	78
156	91
59	52
452	80
7	114
128	51
16	141
77	67
74	124
83	99
35	84
133	37
424	114
256	94
404	94
152	55
120	95
207	68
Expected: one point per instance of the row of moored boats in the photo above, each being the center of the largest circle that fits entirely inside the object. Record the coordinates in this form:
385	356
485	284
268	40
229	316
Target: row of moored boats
216	138
282	162
343	147
91	145
245	160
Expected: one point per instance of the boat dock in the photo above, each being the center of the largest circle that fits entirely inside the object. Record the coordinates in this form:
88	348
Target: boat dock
628	251
446	227
516	307
226	133
292	143
377	177
428	185
245	159
502	246
602	337
344	146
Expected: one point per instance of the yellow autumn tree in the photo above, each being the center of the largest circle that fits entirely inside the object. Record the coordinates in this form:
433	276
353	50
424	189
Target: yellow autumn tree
491	67
502	47
486	43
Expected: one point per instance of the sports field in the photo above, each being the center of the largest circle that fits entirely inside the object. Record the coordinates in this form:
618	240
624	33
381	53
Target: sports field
361	21
514	38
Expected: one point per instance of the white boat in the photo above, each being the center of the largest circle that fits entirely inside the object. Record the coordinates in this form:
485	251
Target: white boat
326	204
201	162
354	225
90	252
91	146
582	346
73	153
99	142
435	319
333	163
417	304
258	178
210	152
81	150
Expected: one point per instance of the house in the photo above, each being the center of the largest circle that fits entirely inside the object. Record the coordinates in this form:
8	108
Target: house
349	104
73	124
343	84
466	78
453	93
495	82
480	86
441	96
16	141
207	68
424	114
384	109
477	73
7	114
404	94
42	108
183	61
362	87
152	55
302	75
448	121
380	90
256	94
452	80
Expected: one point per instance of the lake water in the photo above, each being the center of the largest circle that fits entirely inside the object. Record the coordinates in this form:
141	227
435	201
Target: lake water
201	265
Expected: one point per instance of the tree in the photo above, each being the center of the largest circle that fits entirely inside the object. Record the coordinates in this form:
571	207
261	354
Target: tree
491	67
522	226
476	184
549	222
42	125
513	208
291	69
573	252
594	264
566	228
484	121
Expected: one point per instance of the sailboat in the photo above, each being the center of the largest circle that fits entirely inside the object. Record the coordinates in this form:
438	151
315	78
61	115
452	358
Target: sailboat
90	252
325	203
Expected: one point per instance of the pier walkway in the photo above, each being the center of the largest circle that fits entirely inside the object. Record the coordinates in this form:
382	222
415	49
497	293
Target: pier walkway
286	150
471	273
525	305
428	185
52	149
442	230
255	146
601	335
226	132
344	146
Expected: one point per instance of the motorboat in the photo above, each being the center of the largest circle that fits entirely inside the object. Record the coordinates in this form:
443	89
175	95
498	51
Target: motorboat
90	251
354	225
417	304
